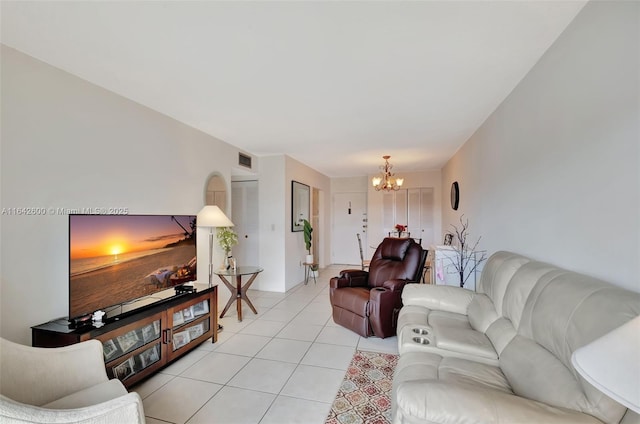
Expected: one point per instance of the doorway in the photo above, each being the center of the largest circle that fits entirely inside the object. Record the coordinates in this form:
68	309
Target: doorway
349	219
244	214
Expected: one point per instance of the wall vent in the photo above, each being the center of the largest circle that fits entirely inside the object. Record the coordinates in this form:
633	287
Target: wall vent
244	160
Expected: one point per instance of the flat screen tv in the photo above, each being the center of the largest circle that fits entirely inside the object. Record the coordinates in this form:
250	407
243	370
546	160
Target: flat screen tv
116	259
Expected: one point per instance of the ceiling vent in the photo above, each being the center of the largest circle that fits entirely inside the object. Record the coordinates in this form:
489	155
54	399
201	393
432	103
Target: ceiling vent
244	160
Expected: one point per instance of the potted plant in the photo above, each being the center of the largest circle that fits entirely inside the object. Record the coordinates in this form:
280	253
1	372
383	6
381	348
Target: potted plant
307	229
227	238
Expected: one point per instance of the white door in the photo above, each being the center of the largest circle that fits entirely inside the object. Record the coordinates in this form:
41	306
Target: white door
349	219
421	215
427	217
244	214
395	212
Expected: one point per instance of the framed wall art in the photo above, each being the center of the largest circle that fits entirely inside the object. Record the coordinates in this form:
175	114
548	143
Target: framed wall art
300	205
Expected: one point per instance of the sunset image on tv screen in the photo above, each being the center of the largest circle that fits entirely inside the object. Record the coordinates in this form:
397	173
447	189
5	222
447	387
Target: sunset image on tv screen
115	258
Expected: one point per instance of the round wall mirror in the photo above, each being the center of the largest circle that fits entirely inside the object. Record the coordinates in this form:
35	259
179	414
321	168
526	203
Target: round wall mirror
455	195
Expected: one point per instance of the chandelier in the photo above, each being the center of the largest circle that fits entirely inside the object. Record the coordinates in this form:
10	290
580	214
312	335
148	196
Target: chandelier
386	180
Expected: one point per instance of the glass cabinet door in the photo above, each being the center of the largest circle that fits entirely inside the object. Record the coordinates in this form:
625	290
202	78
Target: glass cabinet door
190	323
134	364
131	349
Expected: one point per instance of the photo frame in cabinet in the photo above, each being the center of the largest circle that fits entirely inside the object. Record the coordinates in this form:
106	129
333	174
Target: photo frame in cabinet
196	331
187	314
180	339
178	318
201	308
124	370
127	341
148	333
109	349
149	356
300	205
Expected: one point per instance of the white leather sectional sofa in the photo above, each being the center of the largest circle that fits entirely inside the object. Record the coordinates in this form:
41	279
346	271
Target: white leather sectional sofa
502	354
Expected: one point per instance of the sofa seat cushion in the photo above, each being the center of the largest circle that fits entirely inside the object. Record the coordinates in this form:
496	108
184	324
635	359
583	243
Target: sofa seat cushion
419	316
448	319
354	299
430	388
448	333
465	341
420	366
413	315
90	396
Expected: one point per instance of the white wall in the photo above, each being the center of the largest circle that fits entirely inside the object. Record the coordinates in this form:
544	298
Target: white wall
281	250
553	172
350	185
69	144
294	242
273	223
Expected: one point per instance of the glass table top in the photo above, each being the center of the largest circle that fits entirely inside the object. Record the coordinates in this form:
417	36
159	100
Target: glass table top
240	270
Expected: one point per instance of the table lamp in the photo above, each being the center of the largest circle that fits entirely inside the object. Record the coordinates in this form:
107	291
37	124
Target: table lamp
612	364
212	217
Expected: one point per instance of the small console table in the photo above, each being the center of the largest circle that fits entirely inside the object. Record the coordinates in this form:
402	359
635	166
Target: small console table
136	344
308	271
238	292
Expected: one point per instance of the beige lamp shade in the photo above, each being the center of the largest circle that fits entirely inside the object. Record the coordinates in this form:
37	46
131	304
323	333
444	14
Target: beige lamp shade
212	216
612	364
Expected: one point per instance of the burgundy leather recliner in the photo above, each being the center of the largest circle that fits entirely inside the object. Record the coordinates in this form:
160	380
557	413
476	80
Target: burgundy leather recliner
368	302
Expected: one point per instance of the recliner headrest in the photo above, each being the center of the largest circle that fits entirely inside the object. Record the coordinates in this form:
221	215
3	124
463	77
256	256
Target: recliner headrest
395	248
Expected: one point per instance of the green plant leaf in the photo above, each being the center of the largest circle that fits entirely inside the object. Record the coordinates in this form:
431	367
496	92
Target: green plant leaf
227	238
307	234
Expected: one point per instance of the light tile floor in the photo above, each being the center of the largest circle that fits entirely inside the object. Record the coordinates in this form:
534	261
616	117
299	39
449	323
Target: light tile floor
283	365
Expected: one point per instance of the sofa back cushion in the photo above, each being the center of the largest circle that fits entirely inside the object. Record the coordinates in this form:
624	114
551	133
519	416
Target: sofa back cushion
503	329
521	286
481	312
486	308
496	275
564	311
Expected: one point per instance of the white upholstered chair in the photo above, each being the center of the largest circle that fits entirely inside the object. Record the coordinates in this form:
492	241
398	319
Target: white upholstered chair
62	385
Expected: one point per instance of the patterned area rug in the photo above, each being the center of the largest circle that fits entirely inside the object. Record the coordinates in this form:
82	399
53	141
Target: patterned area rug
364	396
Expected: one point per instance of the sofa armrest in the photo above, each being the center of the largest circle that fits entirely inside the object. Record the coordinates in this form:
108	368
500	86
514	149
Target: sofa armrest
350	278
124	409
438	298
394	285
441	402
56	372
384	304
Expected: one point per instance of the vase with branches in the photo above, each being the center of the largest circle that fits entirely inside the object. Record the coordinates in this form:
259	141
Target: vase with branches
466	259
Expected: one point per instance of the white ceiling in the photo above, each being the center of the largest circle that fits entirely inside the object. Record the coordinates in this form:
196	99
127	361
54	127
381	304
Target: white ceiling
333	84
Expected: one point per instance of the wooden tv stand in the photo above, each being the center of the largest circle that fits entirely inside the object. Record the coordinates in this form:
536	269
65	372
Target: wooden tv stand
138	343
